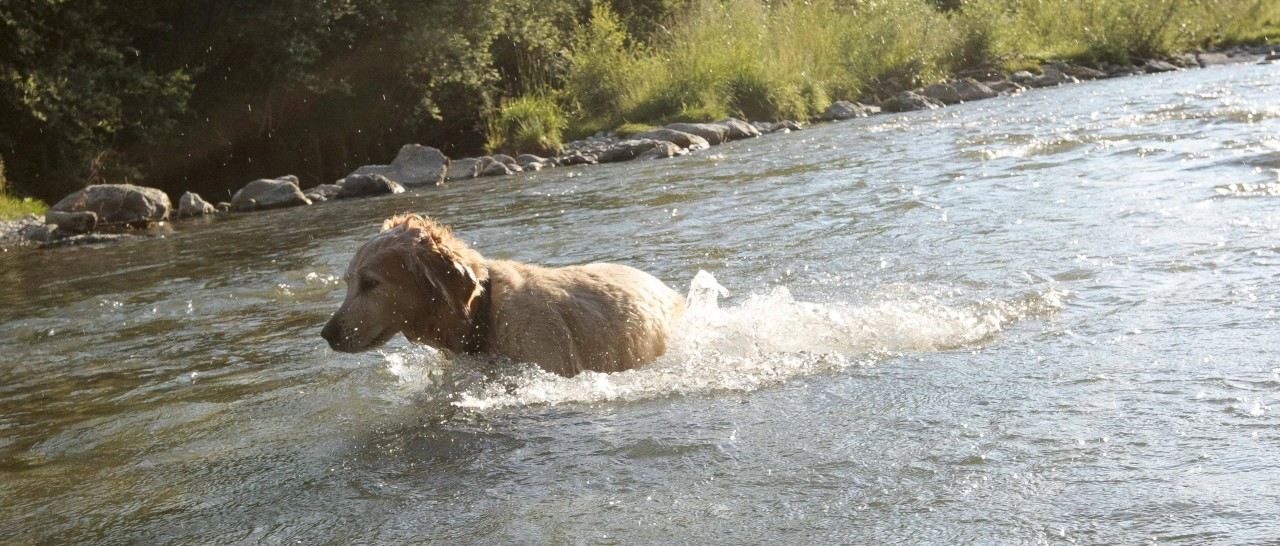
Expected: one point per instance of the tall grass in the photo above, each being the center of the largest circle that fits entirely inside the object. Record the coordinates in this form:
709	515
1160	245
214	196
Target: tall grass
789	59
529	123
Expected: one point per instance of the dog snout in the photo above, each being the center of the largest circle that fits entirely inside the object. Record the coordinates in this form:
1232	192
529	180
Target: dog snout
333	333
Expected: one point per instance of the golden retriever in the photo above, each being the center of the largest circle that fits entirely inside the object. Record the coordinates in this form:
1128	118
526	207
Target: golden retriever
416	278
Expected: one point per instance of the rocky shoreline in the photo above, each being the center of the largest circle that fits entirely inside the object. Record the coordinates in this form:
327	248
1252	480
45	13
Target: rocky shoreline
110	212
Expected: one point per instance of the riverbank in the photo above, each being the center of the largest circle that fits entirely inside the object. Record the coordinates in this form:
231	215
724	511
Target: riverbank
419	166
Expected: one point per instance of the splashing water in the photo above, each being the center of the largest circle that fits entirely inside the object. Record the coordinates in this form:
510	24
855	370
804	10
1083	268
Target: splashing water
766	340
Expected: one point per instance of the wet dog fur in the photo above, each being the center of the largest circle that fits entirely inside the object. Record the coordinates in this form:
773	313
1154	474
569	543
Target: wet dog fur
416	278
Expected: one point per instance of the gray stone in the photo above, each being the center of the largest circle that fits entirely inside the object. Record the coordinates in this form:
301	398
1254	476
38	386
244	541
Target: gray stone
415	165
323	192
713	133
579	158
738	129
679	138
465	169
843	109
908	101
269	193
119	204
362	185
663	150
1214	59
72	222
191	204
958	92
1051	77
1079	72
1155	67
497	168
627	150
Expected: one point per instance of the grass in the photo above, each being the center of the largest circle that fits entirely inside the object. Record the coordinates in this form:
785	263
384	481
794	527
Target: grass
13	208
789	59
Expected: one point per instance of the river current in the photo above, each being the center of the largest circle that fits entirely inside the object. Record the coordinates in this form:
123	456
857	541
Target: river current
1049	318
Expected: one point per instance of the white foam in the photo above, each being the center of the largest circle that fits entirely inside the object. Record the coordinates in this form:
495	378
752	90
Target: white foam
766	340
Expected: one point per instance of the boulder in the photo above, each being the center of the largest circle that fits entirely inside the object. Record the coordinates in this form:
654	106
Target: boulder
1051	77
269	193
578	158
738	129
663	150
908	101
1079	72
627	150
1154	67
72	222
323	192
119	204
713	133
1213	59
504	159
362	185
497	168
843	109
530	162
679	138
415	165
465	169
958	92
191	204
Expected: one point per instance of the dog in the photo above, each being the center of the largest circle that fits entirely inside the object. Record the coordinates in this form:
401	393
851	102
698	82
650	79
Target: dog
416	278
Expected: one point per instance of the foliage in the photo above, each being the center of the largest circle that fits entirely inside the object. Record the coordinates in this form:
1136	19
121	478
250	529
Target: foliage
204	95
527	124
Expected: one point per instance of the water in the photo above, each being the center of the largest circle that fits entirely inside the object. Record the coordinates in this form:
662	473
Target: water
1040	319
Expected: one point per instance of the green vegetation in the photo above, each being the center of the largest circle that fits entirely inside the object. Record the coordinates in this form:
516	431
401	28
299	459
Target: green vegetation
12	208
196	95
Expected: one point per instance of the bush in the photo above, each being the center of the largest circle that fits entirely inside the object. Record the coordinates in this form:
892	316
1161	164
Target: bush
527	124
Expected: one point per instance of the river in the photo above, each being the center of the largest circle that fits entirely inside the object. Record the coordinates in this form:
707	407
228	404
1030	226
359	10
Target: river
1048	318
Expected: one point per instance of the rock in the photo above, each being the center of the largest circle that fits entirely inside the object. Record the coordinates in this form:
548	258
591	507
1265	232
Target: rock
713	133
223	206
1155	67
663	150
738	129
1022	76
269	193
578	158
415	165
958	92
191	204
362	185
627	150
504	159
119	204
679	138
42	233
72	222
497	168
1007	86
843	109
530	162
1213	59
788	126
1079	72
465	169
1273	56
323	192
1051	77
908	101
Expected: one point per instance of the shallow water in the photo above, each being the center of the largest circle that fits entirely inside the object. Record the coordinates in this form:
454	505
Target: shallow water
1041	319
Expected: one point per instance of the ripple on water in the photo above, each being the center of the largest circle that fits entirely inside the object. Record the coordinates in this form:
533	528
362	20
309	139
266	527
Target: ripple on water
766	340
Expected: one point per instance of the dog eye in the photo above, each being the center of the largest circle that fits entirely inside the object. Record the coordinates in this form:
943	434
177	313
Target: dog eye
368	283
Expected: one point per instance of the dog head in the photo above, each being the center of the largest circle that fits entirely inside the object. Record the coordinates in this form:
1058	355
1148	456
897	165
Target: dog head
413	278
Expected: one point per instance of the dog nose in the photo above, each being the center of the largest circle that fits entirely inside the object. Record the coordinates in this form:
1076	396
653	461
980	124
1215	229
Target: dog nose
332	332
